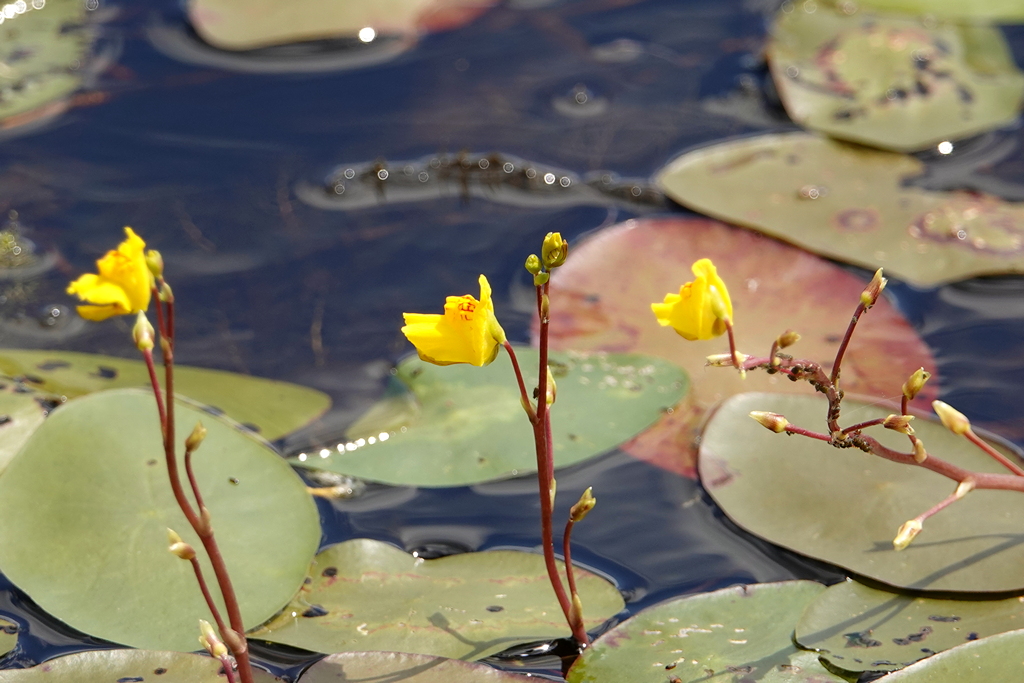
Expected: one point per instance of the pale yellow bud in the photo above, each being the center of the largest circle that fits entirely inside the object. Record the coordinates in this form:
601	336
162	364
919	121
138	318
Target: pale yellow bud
142	333
952	419
913	386
155	263
899	423
532	264
551	492
552	388
920	454
871	293
166	294
787	338
541	279
773	421
196	437
963	488
209	640
719	360
554	250
178	547
906	534
583	506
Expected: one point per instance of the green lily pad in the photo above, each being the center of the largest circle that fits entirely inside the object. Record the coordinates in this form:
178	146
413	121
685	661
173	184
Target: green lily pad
20	414
8	635
849	203
845	506
368	595
124	666
39	48
399	666
251	24
892	82
459	424
996	658
741	633
773	287
93	551
1005	11
856	628
272	408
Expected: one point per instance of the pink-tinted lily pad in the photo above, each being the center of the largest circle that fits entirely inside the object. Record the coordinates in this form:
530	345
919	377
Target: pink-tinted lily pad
252	24
600	300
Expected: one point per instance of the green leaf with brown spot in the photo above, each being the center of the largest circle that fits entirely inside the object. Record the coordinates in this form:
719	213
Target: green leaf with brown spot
368	595
20	414
742	633
399	666
273	408
856	628
996	658
844	506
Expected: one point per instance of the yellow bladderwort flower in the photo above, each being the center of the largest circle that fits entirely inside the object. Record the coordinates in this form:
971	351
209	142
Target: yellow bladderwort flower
468	332
123	284
701	308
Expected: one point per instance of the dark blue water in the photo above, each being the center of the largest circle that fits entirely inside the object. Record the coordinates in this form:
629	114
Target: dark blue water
207	162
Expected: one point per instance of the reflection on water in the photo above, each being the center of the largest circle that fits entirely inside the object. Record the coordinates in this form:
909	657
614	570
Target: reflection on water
208	153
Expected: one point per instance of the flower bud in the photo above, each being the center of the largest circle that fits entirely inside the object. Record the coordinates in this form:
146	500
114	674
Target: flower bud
166	294
142	333
906	534
773	421
952	419
963	488
554	250
913	386
870	294
583	506
787	338
725	360
541	279
209	640
899	423
178	547
196	437
155	263
532	264
920	454
552	389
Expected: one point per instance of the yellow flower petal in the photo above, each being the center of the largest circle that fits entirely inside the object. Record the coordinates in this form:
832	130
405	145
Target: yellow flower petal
124	283
468	332
691	313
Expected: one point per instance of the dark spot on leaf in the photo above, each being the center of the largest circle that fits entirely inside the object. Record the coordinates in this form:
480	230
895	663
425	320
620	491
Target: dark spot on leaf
31	379
972	636
104	372
233	480
213	410
306	581
946	620
416	373
494	608
21	389
927	651
151	462
574	437
914	637
861	639
160	672
4	419
131	679
668	667
330	571
741	669
47	404
315	611
251	427
53	365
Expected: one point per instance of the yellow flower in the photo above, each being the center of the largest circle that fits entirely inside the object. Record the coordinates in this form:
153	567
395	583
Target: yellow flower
701	307
123	284
468	332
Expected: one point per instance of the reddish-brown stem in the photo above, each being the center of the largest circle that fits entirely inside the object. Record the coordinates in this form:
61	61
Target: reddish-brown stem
527	406
192	481
732	347
996	455
147	354
846	342
229	672
946	502
793	429
904	405
159	314
201	580
864	425
570	575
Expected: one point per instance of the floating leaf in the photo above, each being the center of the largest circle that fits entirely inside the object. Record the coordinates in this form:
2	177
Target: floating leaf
849	203
856	628
250	24
267	406
773	287
1007	11
738	633
898	83
399	666
93	551
368	595
8	635
127	666
460	424
844	506
20	413
996	658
